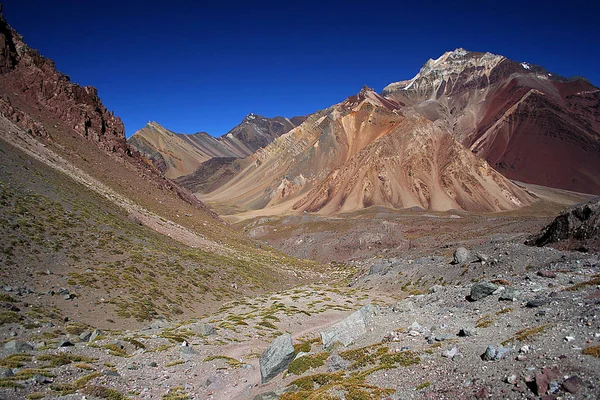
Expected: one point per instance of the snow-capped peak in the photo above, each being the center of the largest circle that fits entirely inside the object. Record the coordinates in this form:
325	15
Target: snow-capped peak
449	63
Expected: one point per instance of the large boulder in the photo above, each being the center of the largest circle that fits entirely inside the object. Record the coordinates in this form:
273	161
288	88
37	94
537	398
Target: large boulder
200	328
17	346
349	329
277	357
481	290
461	255
576	228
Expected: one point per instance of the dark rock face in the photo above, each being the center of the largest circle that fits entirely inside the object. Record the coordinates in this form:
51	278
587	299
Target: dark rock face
20	118
35	79
577	228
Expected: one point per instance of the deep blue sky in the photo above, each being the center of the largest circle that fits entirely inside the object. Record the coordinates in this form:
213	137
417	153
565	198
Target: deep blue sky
202	66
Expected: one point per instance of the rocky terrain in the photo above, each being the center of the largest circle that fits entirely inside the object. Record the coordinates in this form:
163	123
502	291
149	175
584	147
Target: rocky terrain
117	283
500	320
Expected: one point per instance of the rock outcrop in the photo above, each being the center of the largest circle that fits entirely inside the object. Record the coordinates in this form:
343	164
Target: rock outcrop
277	357
577	228
349	329
27	77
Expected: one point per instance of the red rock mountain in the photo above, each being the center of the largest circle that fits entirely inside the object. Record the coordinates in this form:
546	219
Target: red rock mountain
28	77
368	150
176	154
427	142
529	124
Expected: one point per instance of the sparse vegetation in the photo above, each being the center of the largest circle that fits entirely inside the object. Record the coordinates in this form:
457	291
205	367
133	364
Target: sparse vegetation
229	360
103	393
592	351
526	333
582	285
302	364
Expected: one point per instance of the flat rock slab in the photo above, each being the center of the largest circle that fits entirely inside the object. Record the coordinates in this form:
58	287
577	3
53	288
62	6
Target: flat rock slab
277	357
349	329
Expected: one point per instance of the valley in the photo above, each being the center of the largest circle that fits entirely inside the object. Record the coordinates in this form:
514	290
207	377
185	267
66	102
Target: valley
437	240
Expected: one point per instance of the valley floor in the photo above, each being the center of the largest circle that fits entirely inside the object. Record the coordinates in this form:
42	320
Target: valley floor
424	337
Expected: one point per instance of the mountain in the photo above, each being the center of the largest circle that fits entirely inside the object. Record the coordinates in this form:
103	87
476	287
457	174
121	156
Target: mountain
529	124
176	155
368	150
90	232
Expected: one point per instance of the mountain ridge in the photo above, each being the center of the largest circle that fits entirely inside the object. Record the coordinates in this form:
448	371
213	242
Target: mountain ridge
524	120
176	154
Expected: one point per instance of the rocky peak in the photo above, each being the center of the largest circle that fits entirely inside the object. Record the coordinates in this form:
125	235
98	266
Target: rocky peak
369	95
252	117
24	70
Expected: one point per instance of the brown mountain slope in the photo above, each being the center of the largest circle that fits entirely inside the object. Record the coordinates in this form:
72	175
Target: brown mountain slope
366	151
176	155
529	124
83	213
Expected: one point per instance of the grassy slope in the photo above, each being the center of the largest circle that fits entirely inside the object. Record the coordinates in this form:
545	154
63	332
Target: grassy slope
118	268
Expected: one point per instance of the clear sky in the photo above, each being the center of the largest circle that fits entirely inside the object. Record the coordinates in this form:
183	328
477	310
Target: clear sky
202	66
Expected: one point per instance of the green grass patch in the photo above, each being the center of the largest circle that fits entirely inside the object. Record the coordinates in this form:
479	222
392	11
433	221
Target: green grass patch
302	364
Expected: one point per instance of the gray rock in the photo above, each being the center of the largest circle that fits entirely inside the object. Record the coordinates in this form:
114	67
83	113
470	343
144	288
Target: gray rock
41	379
276	358
402	306
201	328
5	372
461	255
510	294
481	290
159	324
442	337
95	334
534	303
482	258
453	352
465	332
435	288
16	346
153	364
85	336
349	329
65	343
380	268
187	349
110	372
493	353
267	396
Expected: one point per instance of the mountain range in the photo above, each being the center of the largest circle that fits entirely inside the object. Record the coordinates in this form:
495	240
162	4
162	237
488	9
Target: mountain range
456	136
180	154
